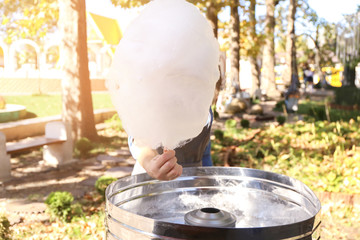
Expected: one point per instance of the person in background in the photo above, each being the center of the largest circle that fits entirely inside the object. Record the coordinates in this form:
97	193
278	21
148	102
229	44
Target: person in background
308	77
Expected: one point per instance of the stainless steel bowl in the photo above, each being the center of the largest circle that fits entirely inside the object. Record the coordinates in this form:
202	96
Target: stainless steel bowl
265	205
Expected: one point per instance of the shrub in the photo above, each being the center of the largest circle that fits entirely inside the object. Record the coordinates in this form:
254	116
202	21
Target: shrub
60	206
4	227
349	96
76	210
318	112
230	123
343	115
102	183
215	112
280	119
83	146
115	123
279	106
245	123
219	135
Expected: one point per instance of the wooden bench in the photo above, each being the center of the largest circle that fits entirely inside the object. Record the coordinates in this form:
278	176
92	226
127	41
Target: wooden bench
57	147
34	143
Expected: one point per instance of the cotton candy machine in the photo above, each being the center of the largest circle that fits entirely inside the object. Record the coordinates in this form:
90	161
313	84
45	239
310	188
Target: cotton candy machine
212	203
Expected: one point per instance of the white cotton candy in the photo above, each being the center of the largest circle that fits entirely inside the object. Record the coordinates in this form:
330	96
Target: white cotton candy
164	72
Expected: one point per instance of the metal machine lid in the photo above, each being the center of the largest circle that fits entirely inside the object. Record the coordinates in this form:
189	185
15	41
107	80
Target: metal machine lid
266	205
210	217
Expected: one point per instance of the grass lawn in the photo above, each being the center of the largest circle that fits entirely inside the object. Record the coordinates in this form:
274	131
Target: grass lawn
325	156
49	105
317	111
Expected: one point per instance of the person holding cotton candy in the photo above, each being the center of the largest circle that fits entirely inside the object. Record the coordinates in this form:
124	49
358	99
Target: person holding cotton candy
162	82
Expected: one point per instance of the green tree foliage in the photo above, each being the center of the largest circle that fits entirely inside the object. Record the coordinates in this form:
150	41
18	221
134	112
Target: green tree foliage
348	41
129	4
252	37
31	19
321	33
202	4
348	44
210	7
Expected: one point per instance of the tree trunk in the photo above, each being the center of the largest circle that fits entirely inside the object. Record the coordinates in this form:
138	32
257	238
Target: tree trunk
212	15
255	71
268	72
235	46
291	67
318	71
77	107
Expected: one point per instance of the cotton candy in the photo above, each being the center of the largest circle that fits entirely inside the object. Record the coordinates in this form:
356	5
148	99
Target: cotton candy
163	75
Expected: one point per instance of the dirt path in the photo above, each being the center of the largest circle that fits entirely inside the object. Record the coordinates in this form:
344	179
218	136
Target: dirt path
24	194
31	179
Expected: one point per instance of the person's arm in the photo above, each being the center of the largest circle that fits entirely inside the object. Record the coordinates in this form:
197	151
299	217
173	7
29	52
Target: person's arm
161	167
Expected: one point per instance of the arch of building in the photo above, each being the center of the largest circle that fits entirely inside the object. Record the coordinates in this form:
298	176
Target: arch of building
5	49
101	58
13	48
107	56
47	47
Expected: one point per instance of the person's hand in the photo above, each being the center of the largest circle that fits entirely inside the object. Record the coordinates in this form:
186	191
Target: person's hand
161	167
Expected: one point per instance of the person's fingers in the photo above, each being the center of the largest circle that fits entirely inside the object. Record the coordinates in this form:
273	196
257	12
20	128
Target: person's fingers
169	153
164	166
163	158
175	172
168	165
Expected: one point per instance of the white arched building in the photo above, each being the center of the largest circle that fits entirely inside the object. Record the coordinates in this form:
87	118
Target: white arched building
26	63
